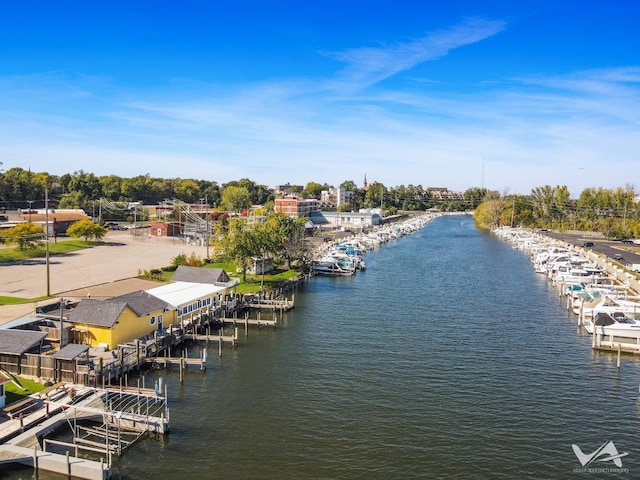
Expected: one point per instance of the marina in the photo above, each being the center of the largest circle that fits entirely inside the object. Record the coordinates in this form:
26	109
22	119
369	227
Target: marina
604	296
472	370
88	371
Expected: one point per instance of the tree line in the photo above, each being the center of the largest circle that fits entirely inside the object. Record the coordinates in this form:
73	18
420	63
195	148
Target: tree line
20	188
612	212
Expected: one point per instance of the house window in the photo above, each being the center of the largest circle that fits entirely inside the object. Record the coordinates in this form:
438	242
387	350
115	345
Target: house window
152	320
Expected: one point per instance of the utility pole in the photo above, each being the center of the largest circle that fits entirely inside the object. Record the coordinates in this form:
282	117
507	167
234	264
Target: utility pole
61	323
207	237
46	237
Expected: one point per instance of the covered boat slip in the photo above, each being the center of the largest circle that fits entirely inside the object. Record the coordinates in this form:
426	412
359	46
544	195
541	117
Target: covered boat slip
102	422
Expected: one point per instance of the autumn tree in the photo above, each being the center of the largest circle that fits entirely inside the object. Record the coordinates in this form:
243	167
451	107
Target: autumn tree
86	229
26	235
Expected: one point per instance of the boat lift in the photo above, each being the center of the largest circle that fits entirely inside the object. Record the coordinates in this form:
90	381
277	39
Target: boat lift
107	421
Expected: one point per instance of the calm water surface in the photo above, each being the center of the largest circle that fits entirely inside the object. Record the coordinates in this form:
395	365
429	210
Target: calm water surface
448	358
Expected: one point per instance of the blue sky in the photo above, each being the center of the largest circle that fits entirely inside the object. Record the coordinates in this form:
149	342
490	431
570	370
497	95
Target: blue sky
507	95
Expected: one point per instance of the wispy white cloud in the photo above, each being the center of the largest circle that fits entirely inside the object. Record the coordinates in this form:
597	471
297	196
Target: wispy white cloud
578	129
369	65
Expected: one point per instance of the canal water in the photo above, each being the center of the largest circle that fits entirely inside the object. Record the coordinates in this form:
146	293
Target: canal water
447	358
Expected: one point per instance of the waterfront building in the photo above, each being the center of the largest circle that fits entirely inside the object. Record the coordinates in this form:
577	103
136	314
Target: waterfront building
296	206
194	291
118	320
344	220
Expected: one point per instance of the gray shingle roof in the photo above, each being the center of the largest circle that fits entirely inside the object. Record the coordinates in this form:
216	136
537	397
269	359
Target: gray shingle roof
212	276
17	342
96	312
141	302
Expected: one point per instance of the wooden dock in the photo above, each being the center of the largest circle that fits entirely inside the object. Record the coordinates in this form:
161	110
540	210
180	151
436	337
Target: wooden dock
266	304
258	322
231	339
615	347
182	362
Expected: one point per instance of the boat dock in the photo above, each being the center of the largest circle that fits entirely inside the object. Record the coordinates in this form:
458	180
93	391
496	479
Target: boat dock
53	462
576	269
119	418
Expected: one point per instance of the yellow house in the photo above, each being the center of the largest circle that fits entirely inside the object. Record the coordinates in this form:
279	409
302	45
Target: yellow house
120	319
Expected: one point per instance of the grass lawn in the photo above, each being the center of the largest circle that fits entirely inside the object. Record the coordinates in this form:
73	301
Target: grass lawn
252	285
14	393
17	301
14	254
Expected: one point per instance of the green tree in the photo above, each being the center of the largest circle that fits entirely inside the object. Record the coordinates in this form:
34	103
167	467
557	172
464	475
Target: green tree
288	236
314	190
136	188
349	186
374	198
189	191
76	199
111	187
258	194
85	183
86	229
26	235
236	242
235	199
474	196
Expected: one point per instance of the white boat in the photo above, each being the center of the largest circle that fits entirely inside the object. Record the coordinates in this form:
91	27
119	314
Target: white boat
609	305
331	267
614	325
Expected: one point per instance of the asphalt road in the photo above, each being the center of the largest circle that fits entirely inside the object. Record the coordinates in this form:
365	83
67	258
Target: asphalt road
610	248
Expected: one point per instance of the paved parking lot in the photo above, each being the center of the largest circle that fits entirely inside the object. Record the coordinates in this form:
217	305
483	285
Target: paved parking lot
121	257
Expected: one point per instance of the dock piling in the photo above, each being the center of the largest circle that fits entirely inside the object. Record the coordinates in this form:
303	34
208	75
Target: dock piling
35	460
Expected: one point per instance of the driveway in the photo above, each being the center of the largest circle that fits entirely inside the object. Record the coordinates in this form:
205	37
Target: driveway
122	256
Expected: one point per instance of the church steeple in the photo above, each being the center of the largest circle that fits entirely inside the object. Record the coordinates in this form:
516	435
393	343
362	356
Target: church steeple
364	185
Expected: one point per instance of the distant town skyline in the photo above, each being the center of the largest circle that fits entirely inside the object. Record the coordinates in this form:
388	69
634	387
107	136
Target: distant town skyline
498	94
